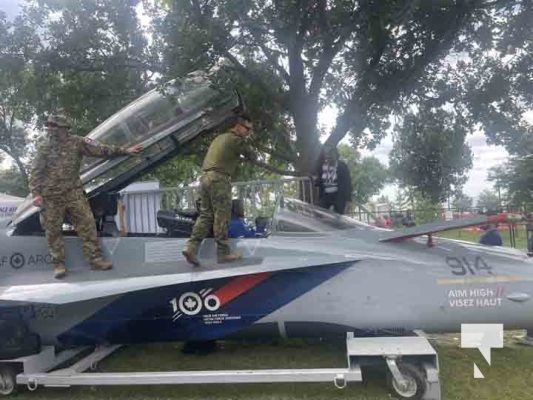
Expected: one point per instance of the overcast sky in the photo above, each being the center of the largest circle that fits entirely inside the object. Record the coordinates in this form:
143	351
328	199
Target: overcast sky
10	7
484	156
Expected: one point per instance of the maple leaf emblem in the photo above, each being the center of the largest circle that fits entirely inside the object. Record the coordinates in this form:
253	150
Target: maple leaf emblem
190	303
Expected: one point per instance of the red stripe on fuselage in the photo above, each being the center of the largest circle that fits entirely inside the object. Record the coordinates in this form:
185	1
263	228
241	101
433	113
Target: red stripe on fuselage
239	286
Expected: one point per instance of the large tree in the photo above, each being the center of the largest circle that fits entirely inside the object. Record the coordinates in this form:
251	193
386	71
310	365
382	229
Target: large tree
19	45
430	154
488	201
95	59
462	202
368	58
515	178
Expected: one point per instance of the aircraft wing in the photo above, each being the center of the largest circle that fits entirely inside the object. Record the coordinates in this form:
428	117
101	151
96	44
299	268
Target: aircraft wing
71	292
441	226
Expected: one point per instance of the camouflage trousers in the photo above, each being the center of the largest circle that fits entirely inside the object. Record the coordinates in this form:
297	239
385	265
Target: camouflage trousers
215	211
75	205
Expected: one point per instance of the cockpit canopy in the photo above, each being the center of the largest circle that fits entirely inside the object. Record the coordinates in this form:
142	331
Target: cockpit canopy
296	216
164	120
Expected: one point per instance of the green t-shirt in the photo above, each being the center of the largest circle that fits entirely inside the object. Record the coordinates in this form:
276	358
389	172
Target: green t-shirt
224	153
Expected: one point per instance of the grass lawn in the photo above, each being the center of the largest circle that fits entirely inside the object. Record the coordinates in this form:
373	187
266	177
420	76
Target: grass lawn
462	234
509	377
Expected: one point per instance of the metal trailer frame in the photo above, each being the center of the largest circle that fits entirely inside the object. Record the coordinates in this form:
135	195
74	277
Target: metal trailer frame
397	352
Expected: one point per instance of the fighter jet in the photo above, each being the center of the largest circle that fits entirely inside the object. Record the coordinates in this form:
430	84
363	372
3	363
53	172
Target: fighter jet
316	273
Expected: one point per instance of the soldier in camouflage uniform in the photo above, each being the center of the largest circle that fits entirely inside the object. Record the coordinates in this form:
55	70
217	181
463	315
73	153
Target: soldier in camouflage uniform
56	187
218	167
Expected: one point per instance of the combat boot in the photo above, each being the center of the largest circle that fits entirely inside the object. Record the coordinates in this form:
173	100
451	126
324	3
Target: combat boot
191	257
101	265
59	271
228	258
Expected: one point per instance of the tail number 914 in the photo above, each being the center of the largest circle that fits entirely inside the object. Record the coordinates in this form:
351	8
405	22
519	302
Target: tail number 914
461	266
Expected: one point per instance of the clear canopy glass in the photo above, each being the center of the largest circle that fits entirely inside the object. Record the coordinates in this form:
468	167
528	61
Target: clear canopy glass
294	215
152	113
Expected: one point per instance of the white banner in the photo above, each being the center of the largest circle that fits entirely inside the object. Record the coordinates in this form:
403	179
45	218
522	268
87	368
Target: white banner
8	207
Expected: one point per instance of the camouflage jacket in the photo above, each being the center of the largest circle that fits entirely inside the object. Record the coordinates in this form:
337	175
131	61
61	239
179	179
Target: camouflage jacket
56	167
224	153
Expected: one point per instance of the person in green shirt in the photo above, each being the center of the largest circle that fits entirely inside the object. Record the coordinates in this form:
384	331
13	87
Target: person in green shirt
219	166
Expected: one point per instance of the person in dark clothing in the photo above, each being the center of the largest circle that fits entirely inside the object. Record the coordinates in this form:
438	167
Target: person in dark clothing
492	237
334	182
408	220
261	226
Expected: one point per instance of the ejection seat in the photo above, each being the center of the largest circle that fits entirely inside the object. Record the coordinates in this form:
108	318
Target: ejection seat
178	223
105	209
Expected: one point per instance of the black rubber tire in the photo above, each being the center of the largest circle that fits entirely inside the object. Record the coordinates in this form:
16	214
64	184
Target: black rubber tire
8	380
415	375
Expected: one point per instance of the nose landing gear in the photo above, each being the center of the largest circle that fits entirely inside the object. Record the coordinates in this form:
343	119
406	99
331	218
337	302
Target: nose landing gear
8	384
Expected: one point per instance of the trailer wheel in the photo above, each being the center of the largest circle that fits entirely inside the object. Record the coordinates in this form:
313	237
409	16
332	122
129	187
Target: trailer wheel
416	382
8	382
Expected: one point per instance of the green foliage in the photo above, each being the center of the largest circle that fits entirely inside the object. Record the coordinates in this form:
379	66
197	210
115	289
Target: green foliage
496	85
368	174
427	210
403	199
18	44
462	202
180	170
95	59
92	62
515	177
12	182
488	201
430	154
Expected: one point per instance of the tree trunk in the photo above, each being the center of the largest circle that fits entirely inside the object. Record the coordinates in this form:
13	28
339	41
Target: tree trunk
307	137
350	120
307	145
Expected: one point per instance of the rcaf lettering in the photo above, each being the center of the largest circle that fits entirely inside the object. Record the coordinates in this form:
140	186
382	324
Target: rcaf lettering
40	259
18	260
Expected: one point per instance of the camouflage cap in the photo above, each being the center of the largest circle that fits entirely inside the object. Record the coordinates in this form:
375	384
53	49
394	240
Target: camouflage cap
58	119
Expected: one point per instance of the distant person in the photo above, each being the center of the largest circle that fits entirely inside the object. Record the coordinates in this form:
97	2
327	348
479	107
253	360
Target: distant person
492	236
334	181
529	233
408	220
238	228
261	224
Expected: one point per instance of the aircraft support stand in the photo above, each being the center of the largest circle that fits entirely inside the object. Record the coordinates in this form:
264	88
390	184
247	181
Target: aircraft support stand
411	361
